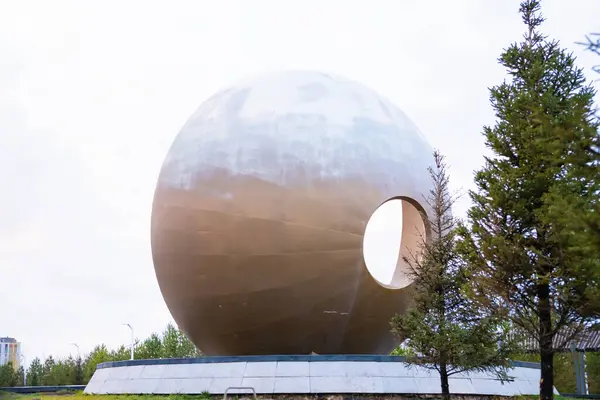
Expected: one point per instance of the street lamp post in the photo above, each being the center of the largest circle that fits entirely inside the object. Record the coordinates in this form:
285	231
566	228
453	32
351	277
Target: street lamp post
131	329
78	370
24	370
78	352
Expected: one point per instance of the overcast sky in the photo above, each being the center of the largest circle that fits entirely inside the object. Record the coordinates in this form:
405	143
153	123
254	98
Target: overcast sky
92	93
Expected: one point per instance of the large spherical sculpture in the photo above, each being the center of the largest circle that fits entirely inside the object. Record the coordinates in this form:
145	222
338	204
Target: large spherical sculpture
260	212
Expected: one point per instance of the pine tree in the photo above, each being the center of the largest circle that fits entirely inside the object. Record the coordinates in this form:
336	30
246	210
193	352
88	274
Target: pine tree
35	373
176	344
527	247
48	378
170	342
444	331
78	371
98	355
122	353
20	376
188	349
7	375
150	348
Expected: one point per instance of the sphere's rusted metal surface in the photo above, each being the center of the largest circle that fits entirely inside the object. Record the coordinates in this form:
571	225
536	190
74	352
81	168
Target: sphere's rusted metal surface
260	210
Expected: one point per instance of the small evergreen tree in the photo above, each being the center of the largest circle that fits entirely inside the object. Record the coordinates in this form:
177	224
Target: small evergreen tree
98	355
78	371
176	344
7	375
35	373
170	342
20	376
188	349
48	376
122	353
528	251
150	348
444	330
63	372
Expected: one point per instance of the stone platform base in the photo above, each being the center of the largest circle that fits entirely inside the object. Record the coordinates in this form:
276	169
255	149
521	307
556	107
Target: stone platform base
298	375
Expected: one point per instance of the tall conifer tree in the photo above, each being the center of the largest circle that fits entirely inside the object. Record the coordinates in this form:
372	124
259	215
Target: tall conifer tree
444	330
527	248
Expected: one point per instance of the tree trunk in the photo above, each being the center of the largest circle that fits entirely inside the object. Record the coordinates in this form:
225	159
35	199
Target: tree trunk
547	375
444	380
546	345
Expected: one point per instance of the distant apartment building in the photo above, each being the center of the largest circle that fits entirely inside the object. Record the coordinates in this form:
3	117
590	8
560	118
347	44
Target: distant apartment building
10	351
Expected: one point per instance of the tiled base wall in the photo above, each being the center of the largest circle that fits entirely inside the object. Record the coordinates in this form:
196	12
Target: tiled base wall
290	377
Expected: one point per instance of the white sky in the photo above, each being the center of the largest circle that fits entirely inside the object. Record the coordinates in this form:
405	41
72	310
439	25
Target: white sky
93	92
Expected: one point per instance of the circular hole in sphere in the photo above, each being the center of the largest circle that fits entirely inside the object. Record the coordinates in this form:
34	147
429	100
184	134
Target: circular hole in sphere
394	232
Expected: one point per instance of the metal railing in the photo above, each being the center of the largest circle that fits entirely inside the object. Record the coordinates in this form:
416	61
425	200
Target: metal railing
41	389
239	388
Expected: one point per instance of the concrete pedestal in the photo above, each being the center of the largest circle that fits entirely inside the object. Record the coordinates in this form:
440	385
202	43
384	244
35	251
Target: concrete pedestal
298	375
